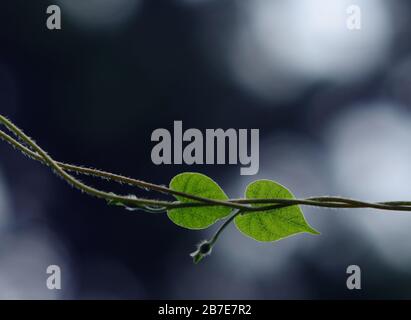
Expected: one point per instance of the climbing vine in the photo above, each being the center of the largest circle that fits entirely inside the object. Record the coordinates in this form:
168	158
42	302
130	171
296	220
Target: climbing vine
268	212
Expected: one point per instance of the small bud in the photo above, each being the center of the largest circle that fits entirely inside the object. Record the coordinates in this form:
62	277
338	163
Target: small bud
204	249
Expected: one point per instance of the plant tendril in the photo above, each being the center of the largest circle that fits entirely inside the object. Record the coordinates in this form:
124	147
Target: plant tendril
31	149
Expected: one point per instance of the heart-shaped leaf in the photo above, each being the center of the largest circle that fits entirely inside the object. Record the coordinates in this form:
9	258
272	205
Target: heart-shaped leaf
274	224
199	217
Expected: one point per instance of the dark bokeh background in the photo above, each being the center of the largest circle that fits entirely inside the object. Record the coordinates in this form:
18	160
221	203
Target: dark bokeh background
334	111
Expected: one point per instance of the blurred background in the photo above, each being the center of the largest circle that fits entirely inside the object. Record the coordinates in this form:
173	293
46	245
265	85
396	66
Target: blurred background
334	111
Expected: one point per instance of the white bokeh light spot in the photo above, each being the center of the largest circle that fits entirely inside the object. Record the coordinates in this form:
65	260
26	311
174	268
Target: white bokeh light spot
284	46
371	160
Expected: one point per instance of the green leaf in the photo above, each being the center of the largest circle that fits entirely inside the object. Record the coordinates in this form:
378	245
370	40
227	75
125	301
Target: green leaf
200	217
274	224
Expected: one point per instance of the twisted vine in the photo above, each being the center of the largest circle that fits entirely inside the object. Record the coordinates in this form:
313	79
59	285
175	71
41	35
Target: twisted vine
30	148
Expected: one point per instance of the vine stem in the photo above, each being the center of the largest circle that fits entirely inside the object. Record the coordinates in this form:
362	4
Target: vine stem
220	230
33	151
40	155
27	146
70	179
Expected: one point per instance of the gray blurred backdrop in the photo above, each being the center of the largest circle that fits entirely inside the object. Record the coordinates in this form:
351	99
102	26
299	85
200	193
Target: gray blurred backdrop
334	111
